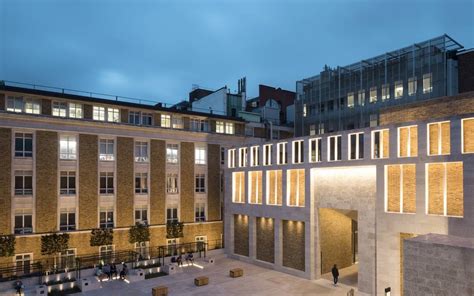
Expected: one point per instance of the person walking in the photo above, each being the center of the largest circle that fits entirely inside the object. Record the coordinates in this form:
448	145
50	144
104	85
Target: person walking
335	274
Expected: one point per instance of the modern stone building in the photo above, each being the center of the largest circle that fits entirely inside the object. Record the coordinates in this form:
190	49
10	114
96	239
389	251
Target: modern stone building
303	204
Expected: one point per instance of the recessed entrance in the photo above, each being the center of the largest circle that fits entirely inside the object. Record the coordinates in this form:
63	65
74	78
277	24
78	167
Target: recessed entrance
339	244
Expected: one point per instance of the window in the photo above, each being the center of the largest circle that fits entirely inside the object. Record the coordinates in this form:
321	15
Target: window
143	250
304	110
312	129
407	141
356	146
199	125
400	188
67	183
23	182
106	183
200	212
398	89
238	189
67	219
141	183
113	115
67	147
171	215
439	138
147	119
361	98
412	86
141	151
321	128
373	95
59	109
75	110
231	158
220	127
32	106
380	144
298	151
106	252
468	135
427	83
350	100
315	150
172	183
295	188
67	259
15	104
385	92
274	187
281	153
267	154
106	149
22	264
141	215
334	148
200	155
23	221
177	122
106	218
374	120
165	120
445	193
229	128
243	157
134	117
98	113
254	157
255	187
200	183
23	145
172	153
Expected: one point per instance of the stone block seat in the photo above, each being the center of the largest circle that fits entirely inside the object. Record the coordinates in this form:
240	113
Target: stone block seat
201	281
159	291
236	272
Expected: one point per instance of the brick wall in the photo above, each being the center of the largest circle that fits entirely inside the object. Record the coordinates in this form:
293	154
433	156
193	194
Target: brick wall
187	182
294	244
213	232
124	115
87	111
2	102
88	185
157	181
241	235
125	182
265	239
46	181
5	179
213	182
46	107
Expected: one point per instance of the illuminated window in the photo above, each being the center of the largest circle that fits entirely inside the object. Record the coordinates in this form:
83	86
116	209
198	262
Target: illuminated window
242	157
229	128
75	110
408	141
106	149
304	110
356	146
231	158
295	188
238	187
468	135
412	86
315	150
380	144
141	151
172	183
32	106
254	159
312	129
281	153
165	120
361	97
374	120
219	127
267	154
98	113
255	187
113	115
334	148
298	151
200	155
59	109
445	193
67	147
373	95
400	188
172	153
398	89
350	100
15	104
177	122
439	138
427	83
385	92
274	187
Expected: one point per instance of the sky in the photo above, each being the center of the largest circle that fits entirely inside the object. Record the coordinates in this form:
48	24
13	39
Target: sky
157	50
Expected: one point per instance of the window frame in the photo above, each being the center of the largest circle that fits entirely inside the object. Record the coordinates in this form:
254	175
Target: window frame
337	148
357	146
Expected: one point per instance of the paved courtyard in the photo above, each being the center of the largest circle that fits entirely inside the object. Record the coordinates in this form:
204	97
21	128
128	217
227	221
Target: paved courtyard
256	281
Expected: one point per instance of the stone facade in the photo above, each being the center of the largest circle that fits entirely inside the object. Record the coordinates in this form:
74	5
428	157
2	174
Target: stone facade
241	235
46	181
187	182
213	182
294	244
265	239
87	111
125	182
46	107
88	184
5	179
157	181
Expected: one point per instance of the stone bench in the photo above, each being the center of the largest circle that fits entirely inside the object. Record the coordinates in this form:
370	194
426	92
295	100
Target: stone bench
136	275
88	284
236	272
159	291
201	281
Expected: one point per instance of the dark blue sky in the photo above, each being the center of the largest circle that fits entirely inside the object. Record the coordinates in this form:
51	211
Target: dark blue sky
158	49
